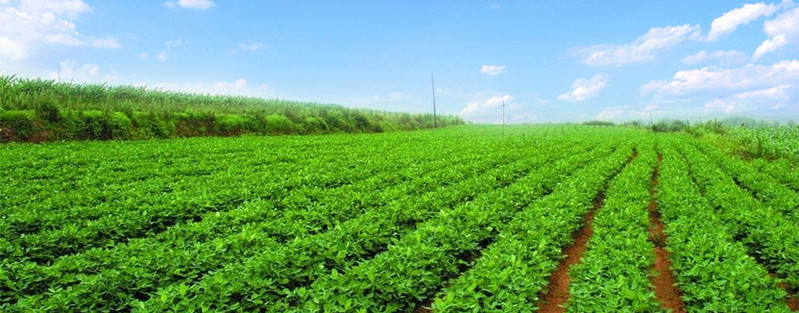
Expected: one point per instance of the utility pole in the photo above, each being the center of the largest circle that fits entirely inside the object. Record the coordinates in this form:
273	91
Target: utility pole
435	120
503	118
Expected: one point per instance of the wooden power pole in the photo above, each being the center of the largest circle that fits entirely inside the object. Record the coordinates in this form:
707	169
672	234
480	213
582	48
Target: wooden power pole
435	119
503	118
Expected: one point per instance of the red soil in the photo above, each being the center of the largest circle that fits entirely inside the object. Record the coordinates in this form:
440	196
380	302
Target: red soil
665	287
559	281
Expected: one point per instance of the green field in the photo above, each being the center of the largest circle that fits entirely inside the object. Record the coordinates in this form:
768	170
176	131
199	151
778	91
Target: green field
467	218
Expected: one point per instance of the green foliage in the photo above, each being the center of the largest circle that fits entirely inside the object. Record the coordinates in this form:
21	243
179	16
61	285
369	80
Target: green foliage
17	125
713	271
599	123
670	126
468	218
68	111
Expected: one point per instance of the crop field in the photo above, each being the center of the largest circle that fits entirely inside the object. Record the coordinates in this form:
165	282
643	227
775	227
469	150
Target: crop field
471	218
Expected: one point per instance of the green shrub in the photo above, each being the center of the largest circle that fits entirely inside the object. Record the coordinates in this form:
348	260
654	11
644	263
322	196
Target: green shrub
231	124
47	110
17	125
279	124
120	126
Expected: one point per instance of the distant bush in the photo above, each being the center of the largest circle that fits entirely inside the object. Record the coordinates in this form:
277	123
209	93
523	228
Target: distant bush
670	126
17	125
599	123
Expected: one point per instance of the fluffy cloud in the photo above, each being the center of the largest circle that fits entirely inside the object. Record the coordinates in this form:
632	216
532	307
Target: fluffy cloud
239	87
782	30
773	98
584	89
72	71
163	56
486	109
492	70
729	21
640	50
726	58
611	113
191	4
28	23
711	81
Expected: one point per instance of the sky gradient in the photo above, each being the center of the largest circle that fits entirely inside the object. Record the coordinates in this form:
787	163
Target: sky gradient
548	61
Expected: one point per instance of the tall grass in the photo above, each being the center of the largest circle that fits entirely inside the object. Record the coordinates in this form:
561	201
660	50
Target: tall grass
37	109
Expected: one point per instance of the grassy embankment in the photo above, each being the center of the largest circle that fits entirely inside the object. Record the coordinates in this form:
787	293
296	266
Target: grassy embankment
45	110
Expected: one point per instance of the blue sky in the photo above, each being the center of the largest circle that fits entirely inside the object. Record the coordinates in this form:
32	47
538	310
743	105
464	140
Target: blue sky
548	61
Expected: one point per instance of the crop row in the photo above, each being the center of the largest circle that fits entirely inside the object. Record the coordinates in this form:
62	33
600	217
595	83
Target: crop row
127	282
349	165
149	217
781	170
766	189
288	276
713	271
513	270
771	238
286	219
613	275
291	216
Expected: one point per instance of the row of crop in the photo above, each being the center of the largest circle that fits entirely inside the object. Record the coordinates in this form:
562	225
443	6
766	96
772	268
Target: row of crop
25	214
301	262
513	270
217	193
300	212
421	262
770	237
149	215
613	273
766	189
127	284
781	170
713	271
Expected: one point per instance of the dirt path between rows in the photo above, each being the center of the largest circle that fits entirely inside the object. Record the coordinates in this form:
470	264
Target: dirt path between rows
559	281
666	291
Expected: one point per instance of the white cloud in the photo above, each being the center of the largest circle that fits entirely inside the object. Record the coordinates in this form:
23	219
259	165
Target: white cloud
610	113
144	56
782	30
713	81
770	45
584	89
729	21
108	43
72	71
170	45
492	70
191	4
239	87
254	46
247	47
640	50
726	58
486	109
24	25
773	98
